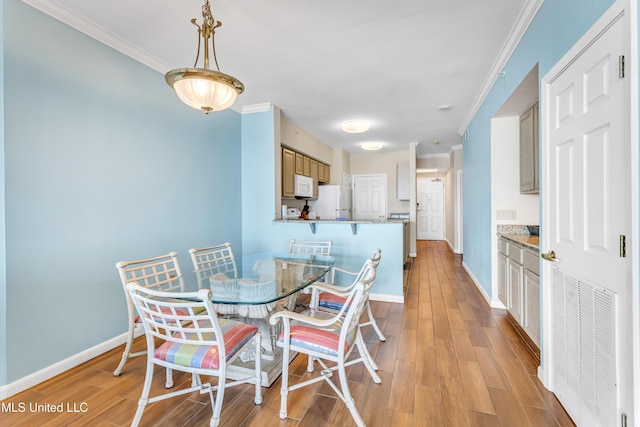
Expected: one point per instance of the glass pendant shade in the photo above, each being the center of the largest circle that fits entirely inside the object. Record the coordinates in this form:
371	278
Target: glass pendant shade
204	89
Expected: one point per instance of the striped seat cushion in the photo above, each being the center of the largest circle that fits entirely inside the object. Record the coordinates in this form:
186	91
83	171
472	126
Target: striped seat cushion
331	301
235	335
320	339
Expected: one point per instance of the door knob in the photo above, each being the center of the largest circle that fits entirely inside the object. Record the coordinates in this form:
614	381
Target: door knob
550	256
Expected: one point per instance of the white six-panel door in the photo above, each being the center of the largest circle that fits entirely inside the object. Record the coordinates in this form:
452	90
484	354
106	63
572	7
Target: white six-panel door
370	197
586	156
430	209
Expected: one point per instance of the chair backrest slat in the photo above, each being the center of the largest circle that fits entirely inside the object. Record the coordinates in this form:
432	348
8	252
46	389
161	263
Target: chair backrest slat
159	273
310	247
178	317
213	260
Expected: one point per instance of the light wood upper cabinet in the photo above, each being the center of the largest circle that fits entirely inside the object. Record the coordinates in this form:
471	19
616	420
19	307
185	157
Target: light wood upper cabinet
307	166
314	175
288	172
529	157
299	163
295	163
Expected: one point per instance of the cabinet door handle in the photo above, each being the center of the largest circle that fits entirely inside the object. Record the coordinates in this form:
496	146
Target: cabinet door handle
550	256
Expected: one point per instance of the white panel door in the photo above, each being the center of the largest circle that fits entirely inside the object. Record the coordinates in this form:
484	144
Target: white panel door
586	157
370	197
430	209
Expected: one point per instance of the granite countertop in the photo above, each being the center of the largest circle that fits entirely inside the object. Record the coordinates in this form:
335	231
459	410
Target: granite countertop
527	240
519	234
335	221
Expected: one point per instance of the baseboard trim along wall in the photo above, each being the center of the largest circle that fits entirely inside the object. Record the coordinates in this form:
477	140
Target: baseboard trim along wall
387	298
64	365
492	303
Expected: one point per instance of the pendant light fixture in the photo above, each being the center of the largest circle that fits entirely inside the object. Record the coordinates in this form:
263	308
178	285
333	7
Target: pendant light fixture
202	88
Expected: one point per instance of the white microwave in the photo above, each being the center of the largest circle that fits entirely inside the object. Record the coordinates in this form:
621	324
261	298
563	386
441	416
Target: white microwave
303	186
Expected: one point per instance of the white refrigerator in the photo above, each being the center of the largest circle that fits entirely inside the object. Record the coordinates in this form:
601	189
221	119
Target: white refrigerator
334	201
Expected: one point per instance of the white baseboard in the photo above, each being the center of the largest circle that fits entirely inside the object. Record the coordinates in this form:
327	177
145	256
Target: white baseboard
453	249
387	298
493	303
63	365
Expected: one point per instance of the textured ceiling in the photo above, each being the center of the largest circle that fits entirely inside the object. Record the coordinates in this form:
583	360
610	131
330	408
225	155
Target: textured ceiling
323	62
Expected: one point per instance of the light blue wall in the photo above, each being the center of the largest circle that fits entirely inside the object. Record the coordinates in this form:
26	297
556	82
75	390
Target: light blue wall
260	233
102	163
557	26
3	270
258	180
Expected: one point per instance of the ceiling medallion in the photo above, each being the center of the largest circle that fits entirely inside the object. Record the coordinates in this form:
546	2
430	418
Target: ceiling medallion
202	88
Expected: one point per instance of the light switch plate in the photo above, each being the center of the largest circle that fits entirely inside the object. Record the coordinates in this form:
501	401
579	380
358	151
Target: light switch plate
506	214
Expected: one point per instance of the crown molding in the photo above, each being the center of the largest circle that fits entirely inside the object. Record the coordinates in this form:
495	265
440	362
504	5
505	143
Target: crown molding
456	147
256	108
434	156
527	14
93	30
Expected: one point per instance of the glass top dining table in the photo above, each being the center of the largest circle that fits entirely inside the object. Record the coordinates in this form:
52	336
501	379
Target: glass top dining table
265	278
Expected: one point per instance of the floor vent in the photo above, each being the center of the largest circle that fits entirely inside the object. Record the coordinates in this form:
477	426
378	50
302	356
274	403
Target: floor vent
584	350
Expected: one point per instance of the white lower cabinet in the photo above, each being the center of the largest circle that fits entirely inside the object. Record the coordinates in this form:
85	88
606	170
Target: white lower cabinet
503	280
515	290
519	286
531	320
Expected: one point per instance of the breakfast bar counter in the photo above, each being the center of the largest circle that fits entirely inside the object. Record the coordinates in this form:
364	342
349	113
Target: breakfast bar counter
313	223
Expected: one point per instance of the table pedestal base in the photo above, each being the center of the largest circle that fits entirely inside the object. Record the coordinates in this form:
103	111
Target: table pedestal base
271	365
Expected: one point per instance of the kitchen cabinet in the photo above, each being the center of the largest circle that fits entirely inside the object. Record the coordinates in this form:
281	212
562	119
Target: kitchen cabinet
531	294
288	173
307	166
519	286
296	163
529	155
314	169
299	163
324	174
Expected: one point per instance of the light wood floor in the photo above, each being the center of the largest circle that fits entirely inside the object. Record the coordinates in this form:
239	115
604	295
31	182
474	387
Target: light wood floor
449	360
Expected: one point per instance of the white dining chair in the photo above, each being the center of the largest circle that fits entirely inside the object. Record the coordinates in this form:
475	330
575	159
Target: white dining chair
333	302
316	247
158	273
184	333
213	260
327	337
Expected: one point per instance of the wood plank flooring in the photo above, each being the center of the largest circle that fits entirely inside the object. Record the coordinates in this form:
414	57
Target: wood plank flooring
449	360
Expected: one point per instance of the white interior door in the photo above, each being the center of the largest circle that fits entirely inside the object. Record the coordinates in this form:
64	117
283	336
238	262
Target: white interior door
370	197
586	157
430	209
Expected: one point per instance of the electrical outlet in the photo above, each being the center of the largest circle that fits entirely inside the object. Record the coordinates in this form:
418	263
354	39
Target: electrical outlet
508	214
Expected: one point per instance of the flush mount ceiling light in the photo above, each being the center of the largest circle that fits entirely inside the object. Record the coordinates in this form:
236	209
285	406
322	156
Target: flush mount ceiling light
202	88
371	146
356	126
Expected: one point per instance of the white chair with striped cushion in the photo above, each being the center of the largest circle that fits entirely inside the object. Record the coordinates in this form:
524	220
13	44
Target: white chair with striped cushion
158	273
328	337
192	339
333	301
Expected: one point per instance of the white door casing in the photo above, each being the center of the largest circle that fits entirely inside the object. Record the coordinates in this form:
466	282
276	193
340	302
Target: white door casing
587	296
430	209
369	197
